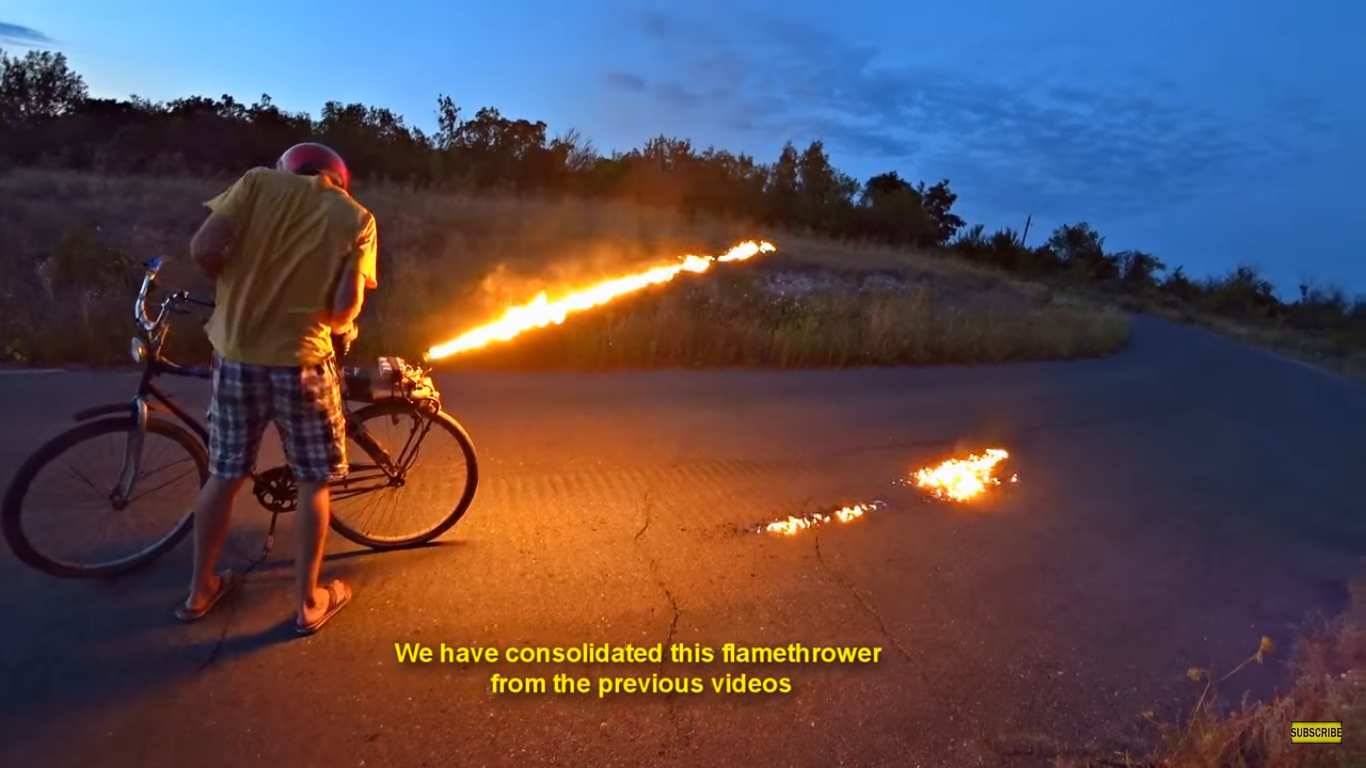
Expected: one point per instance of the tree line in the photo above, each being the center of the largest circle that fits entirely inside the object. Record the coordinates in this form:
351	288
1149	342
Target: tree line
48	119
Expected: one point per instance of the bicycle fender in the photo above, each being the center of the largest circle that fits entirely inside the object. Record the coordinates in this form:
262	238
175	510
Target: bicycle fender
102	410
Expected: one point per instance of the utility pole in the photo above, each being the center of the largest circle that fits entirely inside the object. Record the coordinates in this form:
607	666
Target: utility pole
1028	219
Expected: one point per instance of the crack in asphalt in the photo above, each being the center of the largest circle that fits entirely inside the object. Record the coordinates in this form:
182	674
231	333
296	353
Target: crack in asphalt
868	607
217	646
232	612
222	636
647	509
653	562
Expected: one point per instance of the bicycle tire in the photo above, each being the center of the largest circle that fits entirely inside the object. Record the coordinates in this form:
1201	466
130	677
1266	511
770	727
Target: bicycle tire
455	429
12	510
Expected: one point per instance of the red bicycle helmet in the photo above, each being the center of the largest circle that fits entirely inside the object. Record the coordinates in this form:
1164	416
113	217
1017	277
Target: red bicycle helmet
312	159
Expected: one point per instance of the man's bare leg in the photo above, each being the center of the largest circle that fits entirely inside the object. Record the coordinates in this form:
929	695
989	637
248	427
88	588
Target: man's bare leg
310	532
212	518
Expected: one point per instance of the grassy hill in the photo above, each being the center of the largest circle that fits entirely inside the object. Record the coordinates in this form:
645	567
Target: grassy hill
450	263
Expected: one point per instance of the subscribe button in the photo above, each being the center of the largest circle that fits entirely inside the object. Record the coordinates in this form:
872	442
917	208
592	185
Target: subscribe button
1316	733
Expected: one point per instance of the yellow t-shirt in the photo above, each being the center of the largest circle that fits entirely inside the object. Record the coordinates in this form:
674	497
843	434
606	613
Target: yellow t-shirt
295	234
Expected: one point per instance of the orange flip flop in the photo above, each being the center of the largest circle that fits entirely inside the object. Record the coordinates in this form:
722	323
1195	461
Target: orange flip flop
227	582
337	599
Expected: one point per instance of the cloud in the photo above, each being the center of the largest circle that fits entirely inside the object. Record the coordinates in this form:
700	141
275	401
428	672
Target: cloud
625	81
21	35
1026	143
669	92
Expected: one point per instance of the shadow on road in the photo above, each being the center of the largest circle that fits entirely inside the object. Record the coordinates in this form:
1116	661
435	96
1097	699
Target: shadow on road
286	562
92	645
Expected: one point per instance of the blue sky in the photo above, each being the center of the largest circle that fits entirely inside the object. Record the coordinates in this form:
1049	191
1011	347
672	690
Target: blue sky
1211	134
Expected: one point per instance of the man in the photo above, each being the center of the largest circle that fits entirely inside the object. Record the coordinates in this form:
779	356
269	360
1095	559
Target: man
293	254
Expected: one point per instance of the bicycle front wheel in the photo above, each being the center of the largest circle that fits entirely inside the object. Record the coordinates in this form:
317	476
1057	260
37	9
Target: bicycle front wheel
431	476
84	464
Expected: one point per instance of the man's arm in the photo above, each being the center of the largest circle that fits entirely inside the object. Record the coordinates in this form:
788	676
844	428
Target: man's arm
359	275
348	301
209	246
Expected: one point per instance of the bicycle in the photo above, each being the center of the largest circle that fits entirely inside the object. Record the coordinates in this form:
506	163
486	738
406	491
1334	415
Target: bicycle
400	390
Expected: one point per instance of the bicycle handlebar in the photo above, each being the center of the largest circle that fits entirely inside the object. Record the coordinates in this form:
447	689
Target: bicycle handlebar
146	321
171	303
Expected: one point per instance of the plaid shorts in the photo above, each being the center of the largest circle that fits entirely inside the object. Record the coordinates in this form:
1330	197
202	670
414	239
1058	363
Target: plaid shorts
303	401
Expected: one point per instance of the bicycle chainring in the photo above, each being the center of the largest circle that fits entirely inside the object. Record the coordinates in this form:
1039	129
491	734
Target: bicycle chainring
276	491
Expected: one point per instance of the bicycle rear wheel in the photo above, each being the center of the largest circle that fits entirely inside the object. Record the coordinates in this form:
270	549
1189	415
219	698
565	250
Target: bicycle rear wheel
438	473
186	464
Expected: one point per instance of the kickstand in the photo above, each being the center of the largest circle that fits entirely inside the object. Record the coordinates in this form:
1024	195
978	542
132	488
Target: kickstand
265	550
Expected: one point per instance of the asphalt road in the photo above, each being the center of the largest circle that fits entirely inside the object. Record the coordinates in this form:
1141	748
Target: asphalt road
1176	502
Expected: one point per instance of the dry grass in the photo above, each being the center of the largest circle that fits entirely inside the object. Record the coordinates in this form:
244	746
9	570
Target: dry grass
1327	684
449	264
729	319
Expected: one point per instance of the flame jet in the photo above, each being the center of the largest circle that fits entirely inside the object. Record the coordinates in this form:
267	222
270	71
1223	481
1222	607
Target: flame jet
541	312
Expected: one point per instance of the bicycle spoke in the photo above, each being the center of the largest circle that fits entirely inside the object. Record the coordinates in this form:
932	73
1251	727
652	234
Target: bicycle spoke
347	493
403	463
163	485
83	478
66	496
408	508
380	499
391	508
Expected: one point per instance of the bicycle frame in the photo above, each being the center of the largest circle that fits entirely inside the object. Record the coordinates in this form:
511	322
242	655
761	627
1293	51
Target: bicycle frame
148	397
146	350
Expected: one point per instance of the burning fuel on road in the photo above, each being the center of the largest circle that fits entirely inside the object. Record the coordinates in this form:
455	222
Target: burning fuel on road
963	479
959	480
795	524
541	312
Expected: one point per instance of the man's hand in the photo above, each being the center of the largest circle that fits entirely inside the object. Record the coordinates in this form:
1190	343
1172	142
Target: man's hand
345	339
348	297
